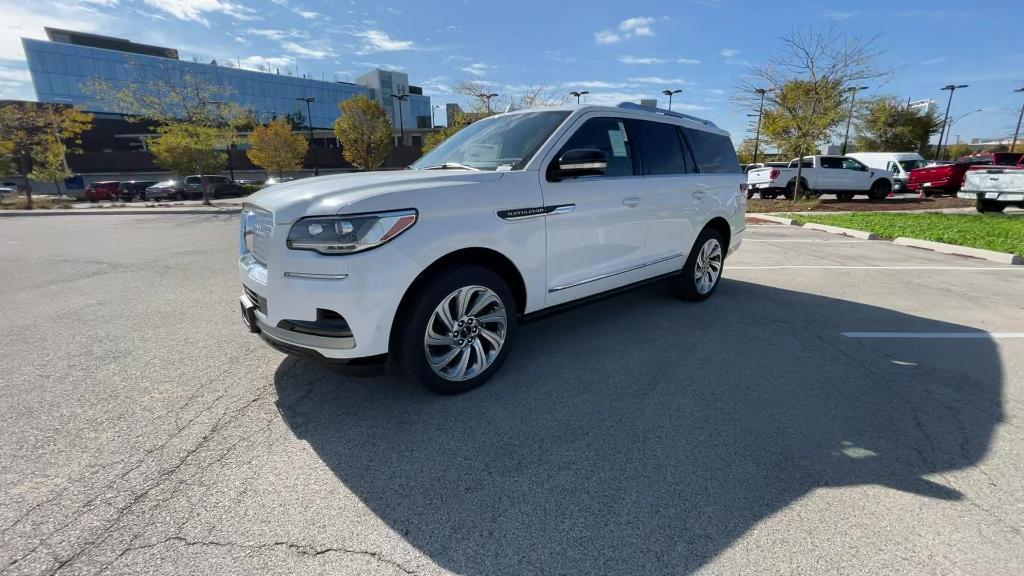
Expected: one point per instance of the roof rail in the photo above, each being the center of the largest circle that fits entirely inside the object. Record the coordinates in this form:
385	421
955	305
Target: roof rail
635	106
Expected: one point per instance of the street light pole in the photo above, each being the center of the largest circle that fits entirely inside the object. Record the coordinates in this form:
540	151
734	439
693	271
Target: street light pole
949	129
432	110
669	93
487	98
401	122
309	124
849	119
952	88
760	113
578	94
1019	117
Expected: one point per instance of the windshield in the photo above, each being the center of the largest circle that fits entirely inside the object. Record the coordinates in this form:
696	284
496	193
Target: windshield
909	165
500	141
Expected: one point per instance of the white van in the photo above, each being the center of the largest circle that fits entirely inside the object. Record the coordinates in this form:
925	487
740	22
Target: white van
899	163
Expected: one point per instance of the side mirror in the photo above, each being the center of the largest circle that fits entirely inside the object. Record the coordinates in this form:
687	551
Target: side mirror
579	162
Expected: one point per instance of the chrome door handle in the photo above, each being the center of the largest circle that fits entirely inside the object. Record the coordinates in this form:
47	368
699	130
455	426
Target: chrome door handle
632	201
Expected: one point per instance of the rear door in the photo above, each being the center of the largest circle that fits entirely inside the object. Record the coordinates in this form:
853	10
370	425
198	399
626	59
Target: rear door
831	175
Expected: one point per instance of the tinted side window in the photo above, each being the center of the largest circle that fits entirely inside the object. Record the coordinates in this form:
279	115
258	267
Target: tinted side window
831	162
191	180
609	136
661	151
713	153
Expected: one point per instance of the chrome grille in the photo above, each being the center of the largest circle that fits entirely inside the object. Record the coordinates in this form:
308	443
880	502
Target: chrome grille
257	227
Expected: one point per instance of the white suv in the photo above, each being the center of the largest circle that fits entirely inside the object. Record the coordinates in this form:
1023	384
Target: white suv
515	214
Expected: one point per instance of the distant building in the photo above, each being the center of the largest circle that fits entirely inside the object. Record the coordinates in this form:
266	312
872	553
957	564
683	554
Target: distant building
922	107
61	66
650	102
452	111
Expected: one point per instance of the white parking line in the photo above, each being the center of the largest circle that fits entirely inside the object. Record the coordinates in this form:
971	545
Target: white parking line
934	335
840	267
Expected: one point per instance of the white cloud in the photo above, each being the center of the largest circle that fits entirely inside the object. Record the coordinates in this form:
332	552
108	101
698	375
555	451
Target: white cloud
267	63
106	3
196	10
307	51
730	52
378	41
599	84
309	14
708	3
838	16
687	61
607	37
477	69
716	91
15	83
27	19
637	60
658	80
639	25
931	61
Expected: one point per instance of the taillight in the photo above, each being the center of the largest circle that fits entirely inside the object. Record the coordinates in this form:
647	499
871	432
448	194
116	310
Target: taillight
775	173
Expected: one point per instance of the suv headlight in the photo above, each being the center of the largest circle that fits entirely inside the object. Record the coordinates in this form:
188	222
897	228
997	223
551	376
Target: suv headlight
348	234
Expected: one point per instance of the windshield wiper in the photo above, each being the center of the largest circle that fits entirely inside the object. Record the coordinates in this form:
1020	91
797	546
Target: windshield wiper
451	165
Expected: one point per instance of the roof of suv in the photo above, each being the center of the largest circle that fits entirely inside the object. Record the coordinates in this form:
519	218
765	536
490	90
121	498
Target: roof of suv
658	113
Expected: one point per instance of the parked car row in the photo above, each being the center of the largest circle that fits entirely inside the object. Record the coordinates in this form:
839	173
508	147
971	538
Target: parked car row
190	189
843	176
949	178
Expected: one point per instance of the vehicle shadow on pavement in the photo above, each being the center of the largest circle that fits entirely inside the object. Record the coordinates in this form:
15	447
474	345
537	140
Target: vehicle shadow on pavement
643	435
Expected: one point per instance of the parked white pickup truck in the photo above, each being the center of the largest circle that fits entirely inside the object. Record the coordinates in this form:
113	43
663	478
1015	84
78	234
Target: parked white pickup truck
839	175
993	188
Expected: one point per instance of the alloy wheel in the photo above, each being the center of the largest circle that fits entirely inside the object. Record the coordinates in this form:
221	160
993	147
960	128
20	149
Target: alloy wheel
465	333
708	266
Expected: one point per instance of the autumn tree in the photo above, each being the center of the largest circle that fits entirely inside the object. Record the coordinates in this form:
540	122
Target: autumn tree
185	148
805	87
276	148
889	125
745	151
49	162
40	134
364	132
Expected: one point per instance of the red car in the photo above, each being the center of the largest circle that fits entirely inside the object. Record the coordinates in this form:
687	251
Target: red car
948	178
108	190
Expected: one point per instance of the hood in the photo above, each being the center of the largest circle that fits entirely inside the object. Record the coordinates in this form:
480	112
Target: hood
325	195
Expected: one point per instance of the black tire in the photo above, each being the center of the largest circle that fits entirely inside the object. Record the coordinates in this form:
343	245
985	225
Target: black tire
880	190
984	206
928	193
844	196
790	192
750	193
412	323
686	286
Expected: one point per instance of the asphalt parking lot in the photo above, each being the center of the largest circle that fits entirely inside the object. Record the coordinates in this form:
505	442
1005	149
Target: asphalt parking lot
839	407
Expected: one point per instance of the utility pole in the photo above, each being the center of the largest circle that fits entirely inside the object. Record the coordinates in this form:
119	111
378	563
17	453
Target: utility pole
487	98
952	88
1016	132
760	113
401	123
309	124
669	93
853	96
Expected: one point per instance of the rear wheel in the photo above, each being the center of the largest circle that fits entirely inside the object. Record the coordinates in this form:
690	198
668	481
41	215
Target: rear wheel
703	268
455	333
989	206
879	190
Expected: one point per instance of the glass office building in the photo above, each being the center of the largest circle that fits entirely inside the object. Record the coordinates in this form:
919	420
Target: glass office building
63	67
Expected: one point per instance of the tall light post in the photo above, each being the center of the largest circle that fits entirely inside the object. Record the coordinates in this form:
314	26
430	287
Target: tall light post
949	129
577	94
433	109
849	119
401	123
760	113
309	124
1020	116
231	145
486	98
952	88
669	93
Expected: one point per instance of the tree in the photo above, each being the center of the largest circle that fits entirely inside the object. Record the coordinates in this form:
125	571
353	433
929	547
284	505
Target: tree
40	133
185	148
7	160
805	89
955	150
364	132
745	151
275	147
49	162
888	125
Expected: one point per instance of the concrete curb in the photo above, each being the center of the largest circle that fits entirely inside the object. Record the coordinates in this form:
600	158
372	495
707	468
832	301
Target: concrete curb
776	219
844	231
118	212
990	255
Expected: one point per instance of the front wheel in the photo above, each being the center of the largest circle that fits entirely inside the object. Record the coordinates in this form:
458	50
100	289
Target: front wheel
880	190
703	268
456	330
989	206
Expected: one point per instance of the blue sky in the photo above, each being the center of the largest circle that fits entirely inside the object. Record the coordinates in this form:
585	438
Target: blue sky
616	50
